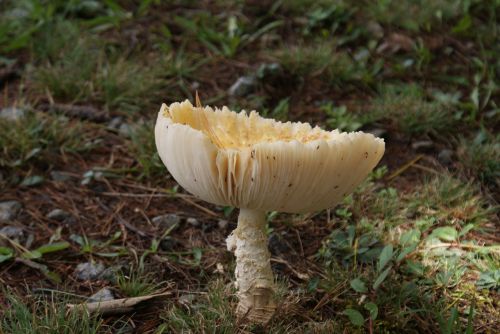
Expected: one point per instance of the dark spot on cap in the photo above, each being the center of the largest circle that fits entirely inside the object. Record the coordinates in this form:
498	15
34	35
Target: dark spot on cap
267	157
274	158
317	147
336	187
251	179
252	154
366	155
289	185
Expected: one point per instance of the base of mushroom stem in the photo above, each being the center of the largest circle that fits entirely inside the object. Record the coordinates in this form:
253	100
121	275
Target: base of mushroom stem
256	306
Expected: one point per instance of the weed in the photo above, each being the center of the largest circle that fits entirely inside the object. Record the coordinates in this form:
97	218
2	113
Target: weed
143	149
136	284
406	107
44	316
39	139
331	66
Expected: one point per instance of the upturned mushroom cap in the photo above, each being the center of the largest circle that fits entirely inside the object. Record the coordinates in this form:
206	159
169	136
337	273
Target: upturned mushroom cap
247	161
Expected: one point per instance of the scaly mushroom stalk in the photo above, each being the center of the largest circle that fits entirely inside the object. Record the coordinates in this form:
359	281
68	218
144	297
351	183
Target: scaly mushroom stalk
254	277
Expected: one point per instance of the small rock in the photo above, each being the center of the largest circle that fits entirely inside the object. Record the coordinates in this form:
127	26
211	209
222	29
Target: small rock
12	232
186	299
269	70
9	210
422	146
110	274
375	29
377	132
243	86
170	220
168	243
115	123
101	296
446	157
89	271
276	245
59	176
58	214
125	130
12	114
193	222
222	224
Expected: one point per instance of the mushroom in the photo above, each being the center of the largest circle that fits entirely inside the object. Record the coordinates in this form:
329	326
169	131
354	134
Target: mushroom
259	165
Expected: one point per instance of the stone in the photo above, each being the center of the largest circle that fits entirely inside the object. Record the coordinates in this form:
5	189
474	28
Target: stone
243	86
89	271
423	145
59	176
115	123
125	130
102	295
445	157
12	232
9	210
222	224
193	222
58	214
170	220
168	243
12	114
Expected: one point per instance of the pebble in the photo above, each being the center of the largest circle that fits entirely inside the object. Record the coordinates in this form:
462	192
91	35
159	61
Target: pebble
58	214
167	221
168	243
101	296
89	271
59	176
9	210
12	113
115	123
193	222
446	157
243	86
222	224
125	130
12	232
422	146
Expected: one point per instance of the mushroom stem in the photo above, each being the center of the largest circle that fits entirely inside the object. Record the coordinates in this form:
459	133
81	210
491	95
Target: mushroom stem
254	277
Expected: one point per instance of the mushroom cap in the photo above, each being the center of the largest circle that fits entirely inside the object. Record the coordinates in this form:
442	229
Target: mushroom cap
247	161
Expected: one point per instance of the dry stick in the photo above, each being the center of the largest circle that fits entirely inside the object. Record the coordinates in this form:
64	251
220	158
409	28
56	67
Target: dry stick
405	167
116	306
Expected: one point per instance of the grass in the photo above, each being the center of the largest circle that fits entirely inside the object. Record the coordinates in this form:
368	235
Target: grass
413	250
40	140
323	62
44	316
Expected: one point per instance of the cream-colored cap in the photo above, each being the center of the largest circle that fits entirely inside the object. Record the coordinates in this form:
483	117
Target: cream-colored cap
251	162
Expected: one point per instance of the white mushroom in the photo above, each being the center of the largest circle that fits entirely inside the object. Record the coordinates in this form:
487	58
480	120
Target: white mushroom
260	165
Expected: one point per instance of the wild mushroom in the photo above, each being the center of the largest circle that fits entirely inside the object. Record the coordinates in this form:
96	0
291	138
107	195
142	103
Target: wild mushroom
260	165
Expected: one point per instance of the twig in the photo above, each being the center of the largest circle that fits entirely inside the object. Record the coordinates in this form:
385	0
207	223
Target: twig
405	167
116	306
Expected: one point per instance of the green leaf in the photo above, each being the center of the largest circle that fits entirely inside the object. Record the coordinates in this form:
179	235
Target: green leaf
312	285
355	317
373	309
358	285
381	278
446	233
51	248
32	255
410	237
5	253
385	256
